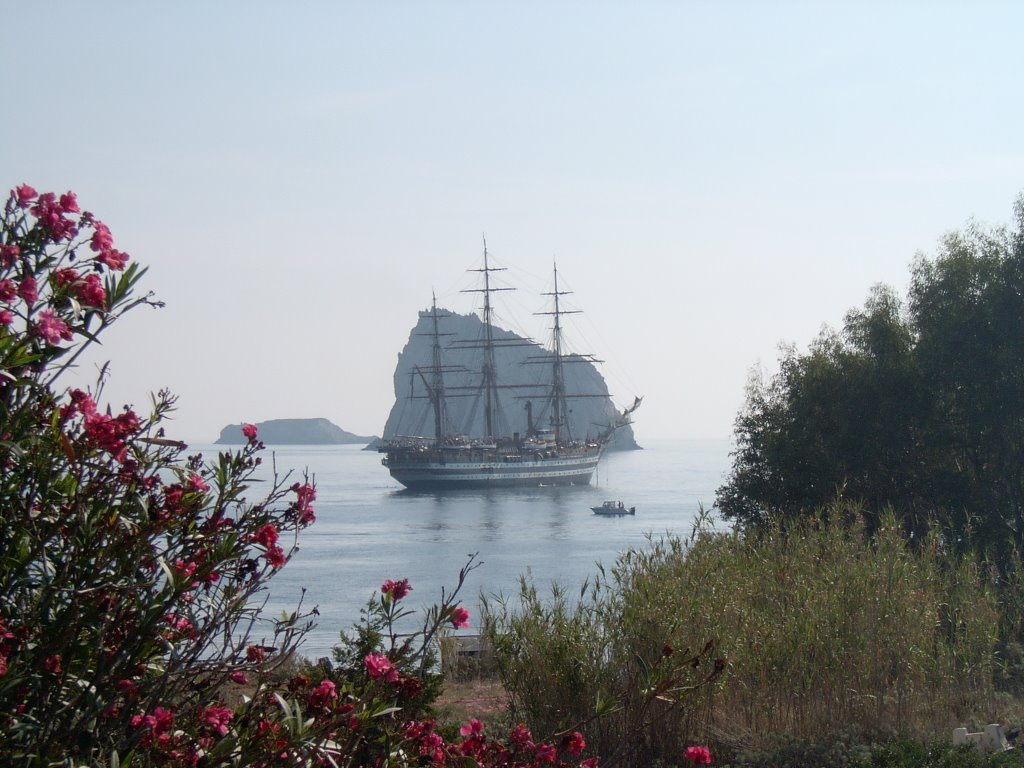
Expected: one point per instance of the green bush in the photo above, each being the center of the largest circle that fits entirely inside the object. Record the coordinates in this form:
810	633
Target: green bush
827	629
584	662
825	633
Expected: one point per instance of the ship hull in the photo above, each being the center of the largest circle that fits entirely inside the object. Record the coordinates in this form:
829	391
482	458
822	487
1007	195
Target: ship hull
431	471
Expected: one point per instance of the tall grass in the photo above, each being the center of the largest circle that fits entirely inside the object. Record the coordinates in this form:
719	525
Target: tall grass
829	630
825	631
567	664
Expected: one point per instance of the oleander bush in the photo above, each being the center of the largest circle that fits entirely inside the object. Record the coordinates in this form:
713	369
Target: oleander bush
130	570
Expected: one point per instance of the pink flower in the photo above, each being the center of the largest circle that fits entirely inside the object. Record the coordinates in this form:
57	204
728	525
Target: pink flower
432	746
197	483
267	535
396	589
52	328
82	402
249	430
306	494
65	276
255	653
379	666
575	744
8	253
239	677
109	433
459	617
113	258
473	728
698	755
179	625
521	738
156	723
217	718
275	556
69	202
52	664
28	289
184	570
25	194
90	291
101	240
8	291
50	214
413	729
546	753
323	694
6	317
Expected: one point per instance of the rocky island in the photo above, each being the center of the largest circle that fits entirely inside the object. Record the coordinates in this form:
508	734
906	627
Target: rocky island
515	357
294	432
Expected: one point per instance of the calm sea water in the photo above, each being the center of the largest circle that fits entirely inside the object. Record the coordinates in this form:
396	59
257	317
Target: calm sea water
368	529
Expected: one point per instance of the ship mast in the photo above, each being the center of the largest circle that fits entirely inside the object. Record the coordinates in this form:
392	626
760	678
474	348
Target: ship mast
558	359
437	397
559	401
488	371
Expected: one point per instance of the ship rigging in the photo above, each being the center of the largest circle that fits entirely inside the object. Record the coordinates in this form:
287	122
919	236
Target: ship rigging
550	455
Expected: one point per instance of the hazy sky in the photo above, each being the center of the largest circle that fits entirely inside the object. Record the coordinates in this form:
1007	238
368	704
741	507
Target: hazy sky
713	178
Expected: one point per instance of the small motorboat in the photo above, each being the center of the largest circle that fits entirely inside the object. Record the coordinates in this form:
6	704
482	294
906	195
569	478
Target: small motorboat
614	508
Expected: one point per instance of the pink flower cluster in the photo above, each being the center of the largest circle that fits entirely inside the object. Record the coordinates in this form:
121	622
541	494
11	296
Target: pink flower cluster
156	724
267	537
53	216
396	590
521	750
188	571
103	245
323	694
197	483
379	667
303	508
459	617
109	433
216	719
88	290
51	212
52	328
53	235
179	627
698	755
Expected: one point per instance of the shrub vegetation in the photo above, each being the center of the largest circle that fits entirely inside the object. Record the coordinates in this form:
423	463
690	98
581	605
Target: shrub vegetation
128	568
824	633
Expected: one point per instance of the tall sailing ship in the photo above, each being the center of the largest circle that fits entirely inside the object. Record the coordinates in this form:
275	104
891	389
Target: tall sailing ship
537	454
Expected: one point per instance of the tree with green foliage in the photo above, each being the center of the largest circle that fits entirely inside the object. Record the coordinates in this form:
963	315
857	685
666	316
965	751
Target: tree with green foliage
917	405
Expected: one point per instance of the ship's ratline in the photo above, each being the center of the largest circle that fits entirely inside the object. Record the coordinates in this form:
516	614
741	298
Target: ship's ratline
547	455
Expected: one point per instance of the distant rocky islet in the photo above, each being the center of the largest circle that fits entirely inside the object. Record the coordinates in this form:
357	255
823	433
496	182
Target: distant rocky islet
295	432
